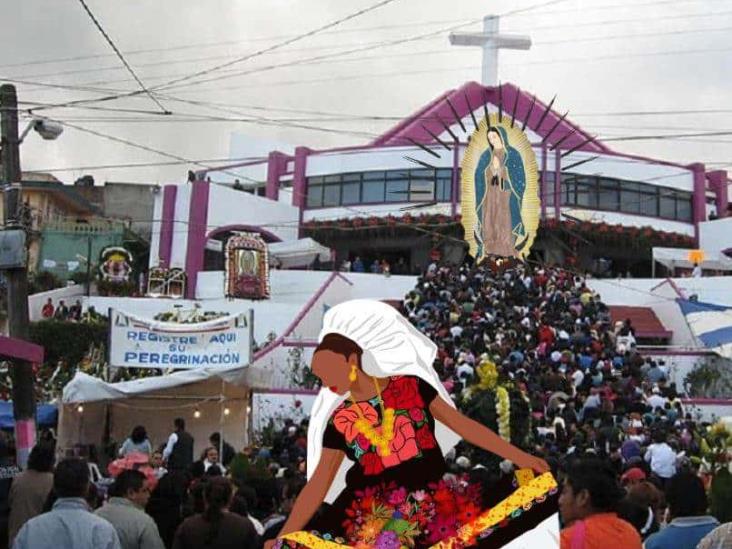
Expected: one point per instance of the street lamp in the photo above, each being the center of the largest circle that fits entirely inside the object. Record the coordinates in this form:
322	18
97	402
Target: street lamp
47	129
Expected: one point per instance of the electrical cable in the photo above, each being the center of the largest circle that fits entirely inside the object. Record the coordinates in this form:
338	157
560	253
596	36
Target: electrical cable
111	43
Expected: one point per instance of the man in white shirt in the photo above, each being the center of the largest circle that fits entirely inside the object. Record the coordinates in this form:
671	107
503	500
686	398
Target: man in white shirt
178	452
655	400
661	457
697	272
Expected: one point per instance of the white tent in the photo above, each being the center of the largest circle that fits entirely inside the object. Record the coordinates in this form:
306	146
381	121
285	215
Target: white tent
298	253
209	400
673	258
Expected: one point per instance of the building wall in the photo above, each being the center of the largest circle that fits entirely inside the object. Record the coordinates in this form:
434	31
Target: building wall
716	236
64	243
131	201
228	207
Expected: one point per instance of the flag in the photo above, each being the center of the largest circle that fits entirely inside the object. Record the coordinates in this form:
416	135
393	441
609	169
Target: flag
711	324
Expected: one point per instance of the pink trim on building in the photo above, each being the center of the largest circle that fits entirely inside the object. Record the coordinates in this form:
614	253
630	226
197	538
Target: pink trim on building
22	350
718	183
197	230
276	168
167	223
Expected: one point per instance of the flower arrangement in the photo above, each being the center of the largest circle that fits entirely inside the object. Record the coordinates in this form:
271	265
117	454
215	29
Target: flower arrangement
390	221
390	517
638	236
503	413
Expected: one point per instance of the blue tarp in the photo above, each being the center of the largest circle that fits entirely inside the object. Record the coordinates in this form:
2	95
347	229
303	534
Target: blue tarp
46	415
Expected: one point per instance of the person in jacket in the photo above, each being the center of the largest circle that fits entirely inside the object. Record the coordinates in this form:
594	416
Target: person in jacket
178	452
216	527
29	490
129	495
687	502
69	523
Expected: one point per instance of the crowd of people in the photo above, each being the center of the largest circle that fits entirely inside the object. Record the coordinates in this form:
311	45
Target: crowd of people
65	313
608	421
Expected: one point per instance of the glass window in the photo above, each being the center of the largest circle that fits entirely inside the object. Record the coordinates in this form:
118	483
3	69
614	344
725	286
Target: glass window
373	190
586	191
649	203
315	195
333	178
397	190
331	195
443	191
568	189
667	204
351	193
547	187
683	207
629	199
374	176
422	190
608	196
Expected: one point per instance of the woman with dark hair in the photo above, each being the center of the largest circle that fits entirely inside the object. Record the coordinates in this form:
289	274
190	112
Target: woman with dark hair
216	527
136	442
379	431
29	490
590	499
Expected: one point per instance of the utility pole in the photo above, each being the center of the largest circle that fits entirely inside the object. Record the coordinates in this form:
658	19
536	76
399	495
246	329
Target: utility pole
24	408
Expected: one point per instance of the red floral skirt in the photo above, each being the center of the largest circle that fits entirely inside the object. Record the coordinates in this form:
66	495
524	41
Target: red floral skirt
449	513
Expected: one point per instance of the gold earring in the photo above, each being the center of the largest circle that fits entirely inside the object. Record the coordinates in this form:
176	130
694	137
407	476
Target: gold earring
352	376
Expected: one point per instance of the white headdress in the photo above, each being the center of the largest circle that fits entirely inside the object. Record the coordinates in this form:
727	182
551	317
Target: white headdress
391	347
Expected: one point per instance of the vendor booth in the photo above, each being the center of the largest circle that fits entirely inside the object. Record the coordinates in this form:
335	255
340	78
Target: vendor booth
677	258
298	253
94	412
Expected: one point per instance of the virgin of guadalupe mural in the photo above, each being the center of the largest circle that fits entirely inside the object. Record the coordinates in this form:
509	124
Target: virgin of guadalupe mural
500	203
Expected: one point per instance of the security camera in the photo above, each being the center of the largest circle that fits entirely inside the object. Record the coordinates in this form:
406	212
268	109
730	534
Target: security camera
47	129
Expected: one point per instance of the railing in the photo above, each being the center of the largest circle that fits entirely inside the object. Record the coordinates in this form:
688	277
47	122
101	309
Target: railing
94	225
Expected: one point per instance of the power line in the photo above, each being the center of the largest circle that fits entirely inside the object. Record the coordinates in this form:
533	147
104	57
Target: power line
200	45
142	147
106	36
280	45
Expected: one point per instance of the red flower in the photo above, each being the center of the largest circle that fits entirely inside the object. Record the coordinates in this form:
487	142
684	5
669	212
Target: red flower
417	414
468	513
363	442
371	464
402	394
404	444
425	438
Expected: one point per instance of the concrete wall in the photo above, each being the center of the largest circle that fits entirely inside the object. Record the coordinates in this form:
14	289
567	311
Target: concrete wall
715	236
36	301
228	207
131	201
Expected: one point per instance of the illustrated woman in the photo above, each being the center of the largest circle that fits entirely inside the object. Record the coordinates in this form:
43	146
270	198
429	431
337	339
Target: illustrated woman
379	430
500	199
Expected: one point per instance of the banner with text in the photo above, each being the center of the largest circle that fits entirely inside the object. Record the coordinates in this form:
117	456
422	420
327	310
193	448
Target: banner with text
141	343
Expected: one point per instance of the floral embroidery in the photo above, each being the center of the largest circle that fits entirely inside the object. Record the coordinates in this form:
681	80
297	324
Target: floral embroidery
404	444
432	514
412	432
344	420
402	393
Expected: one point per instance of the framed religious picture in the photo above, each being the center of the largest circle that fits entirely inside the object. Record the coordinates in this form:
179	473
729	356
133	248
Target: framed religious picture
247	267
500	191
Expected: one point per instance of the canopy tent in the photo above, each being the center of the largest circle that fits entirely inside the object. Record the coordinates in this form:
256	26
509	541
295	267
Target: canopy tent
673	258
298	253
209	400
46	415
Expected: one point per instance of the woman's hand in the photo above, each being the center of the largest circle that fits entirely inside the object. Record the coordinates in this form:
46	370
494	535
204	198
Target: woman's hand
536	464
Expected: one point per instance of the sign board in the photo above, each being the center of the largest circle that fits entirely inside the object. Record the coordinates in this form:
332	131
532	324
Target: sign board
141	343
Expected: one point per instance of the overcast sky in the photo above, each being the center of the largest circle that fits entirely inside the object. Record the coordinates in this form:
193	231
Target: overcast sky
604	59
